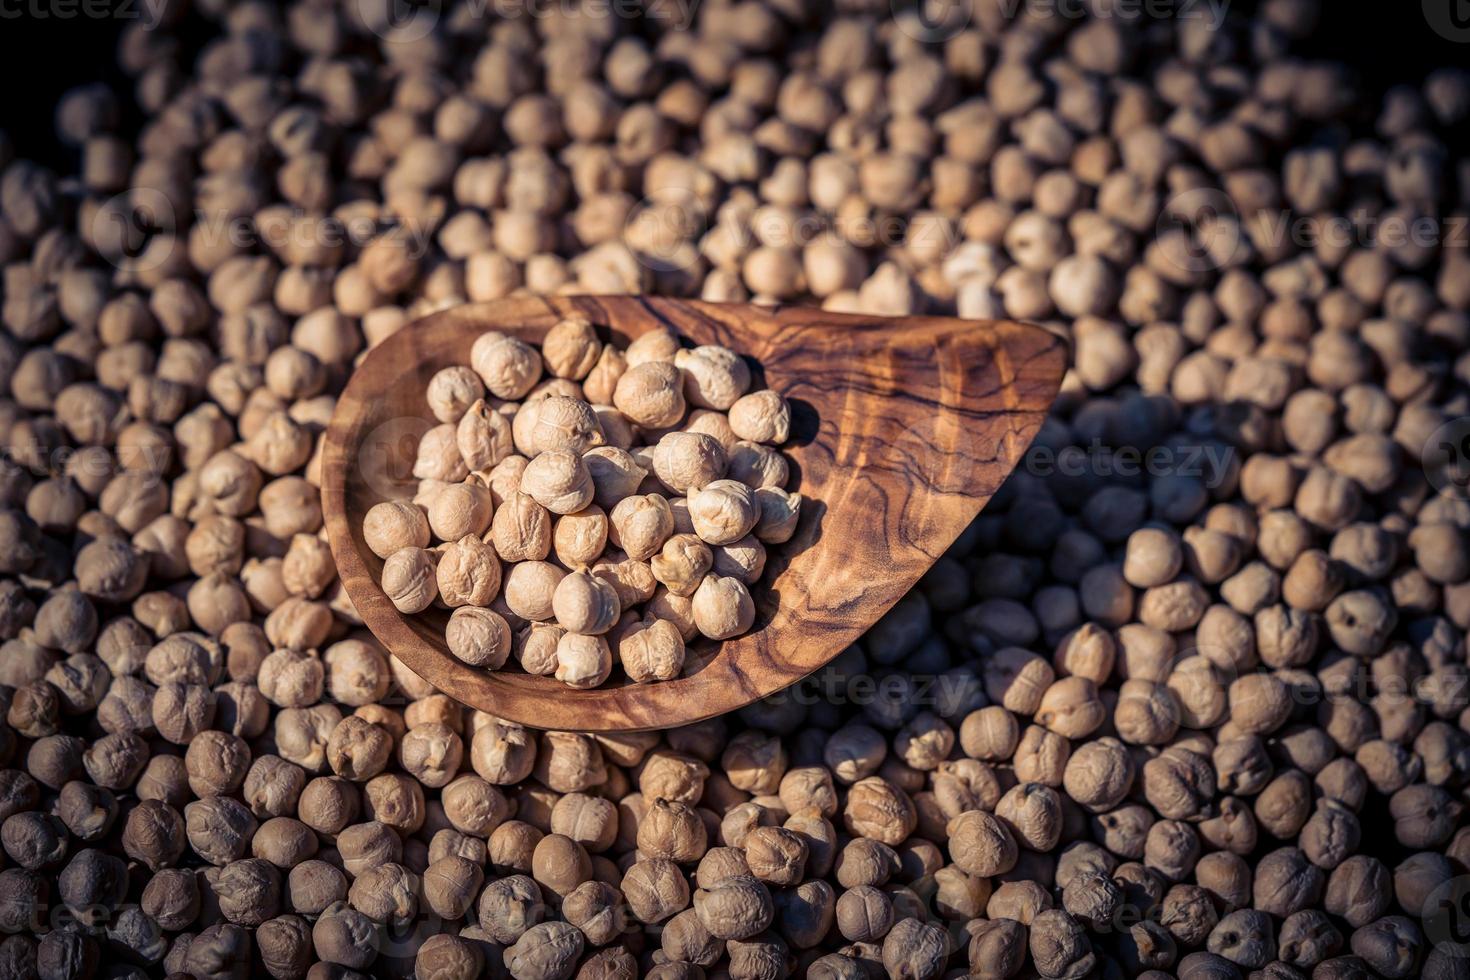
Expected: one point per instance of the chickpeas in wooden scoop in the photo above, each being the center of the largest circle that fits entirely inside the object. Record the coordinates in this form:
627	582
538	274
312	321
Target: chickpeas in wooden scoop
537	507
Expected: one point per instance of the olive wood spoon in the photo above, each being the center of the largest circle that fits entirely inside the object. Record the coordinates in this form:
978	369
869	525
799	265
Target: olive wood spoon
902	429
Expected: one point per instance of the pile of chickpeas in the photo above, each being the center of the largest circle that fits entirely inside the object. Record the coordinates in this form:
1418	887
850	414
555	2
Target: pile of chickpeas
1189	699
661	451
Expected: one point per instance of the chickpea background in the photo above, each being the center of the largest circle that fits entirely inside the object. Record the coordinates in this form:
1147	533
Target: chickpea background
1203	718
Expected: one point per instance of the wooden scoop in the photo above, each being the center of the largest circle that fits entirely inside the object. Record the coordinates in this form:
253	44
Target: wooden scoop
902	429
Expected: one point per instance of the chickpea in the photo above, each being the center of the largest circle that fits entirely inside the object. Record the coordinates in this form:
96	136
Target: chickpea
583	660
688	460
641	525
585	604
394	525
558	480
479	637
562	424
723	608
508	367
652	651
651	394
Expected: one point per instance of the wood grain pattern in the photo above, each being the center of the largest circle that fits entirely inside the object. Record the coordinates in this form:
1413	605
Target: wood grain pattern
902	430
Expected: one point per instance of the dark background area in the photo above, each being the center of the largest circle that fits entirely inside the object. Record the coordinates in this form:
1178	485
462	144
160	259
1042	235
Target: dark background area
43	56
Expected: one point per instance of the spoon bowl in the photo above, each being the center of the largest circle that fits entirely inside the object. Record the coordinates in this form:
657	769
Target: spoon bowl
902	429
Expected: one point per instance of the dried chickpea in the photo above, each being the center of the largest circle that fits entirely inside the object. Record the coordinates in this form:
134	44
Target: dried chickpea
394	525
